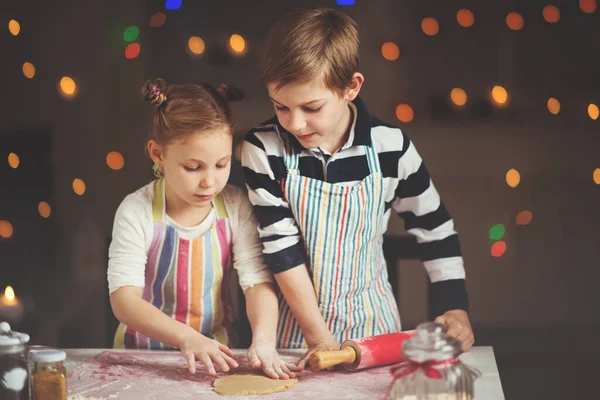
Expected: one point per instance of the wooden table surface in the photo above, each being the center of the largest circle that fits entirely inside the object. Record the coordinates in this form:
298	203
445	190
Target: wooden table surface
162	375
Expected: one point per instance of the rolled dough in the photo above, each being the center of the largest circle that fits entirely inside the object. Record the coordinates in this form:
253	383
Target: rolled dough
250	384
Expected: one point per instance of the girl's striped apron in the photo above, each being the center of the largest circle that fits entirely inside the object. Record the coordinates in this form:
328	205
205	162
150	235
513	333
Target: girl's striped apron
186	278
343	234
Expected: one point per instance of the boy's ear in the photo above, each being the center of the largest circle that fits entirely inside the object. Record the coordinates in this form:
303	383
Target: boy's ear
156	152
354	87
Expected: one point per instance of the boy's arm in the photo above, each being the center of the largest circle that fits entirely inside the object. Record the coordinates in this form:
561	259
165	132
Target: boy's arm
425	216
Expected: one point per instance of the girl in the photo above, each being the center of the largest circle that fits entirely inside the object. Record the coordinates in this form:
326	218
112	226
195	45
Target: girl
175	240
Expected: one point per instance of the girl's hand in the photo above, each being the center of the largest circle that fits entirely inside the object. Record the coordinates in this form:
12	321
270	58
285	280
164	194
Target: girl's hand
264	354
198	347
323	344
459	327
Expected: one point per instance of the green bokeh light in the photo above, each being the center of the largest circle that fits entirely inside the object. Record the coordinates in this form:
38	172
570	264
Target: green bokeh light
131	33
497	232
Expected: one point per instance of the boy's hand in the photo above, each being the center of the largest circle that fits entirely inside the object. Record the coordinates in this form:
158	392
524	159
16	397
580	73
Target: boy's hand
198	347
264	354
459	327
322	344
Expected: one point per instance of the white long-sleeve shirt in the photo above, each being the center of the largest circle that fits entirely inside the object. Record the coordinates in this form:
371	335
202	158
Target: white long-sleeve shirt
133	230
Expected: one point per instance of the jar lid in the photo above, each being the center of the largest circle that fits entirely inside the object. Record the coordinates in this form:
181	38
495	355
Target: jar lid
48	356
431	343
10	338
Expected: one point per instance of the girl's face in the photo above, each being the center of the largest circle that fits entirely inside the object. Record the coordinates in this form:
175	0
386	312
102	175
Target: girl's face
196	167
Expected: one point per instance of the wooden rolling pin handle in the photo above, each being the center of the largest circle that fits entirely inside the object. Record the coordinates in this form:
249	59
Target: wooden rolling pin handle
325	359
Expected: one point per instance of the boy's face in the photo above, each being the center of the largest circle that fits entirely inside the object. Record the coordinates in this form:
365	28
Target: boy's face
316	115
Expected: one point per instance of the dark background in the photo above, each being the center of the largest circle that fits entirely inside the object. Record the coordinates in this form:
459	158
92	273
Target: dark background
537	304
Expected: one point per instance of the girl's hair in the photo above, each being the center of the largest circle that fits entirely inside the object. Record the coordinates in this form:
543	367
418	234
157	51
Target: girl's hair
181	110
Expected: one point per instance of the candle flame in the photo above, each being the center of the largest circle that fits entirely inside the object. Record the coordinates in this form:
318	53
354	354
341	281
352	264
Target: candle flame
9	293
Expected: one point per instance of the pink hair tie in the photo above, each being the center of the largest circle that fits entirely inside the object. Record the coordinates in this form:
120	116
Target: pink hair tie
154	89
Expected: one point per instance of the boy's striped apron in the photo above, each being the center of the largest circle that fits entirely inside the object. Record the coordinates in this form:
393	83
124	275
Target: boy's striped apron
342	230
186	278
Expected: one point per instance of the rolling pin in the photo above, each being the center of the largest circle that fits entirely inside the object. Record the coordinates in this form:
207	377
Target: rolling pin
373	351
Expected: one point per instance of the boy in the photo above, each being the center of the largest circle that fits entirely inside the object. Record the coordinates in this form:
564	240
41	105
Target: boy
323	176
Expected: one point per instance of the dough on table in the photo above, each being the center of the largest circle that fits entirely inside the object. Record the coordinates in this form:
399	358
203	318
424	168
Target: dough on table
251	384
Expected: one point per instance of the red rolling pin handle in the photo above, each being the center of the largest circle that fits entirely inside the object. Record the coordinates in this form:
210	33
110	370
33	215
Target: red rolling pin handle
379	350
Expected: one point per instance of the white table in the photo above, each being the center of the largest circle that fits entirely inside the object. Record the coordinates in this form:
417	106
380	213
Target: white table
170	369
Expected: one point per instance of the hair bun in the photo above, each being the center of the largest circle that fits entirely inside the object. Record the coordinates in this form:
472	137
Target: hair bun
153	92
230	92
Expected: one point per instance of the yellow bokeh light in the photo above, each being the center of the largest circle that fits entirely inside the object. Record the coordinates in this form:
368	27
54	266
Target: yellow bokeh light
78	186
553	105
196	45
237	43
390	51
551	14
28	70
515	21
14	27
6	229
405	113
499	95
593	111
513	178
597	176
13	160
587	6
68	86
430	26
44	209
115	160
458	96
465	18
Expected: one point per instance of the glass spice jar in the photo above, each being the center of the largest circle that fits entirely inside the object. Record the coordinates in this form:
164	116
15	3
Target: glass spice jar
49	376
14	376
432	370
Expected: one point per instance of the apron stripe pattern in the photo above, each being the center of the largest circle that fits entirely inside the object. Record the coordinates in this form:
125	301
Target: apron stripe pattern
186	278
341	226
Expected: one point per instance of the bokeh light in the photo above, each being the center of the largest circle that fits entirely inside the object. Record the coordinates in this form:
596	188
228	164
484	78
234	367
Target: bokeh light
131	33
458	96
498	249
430	26
593	111
237	43
513	178
196	45
551	14
28	70
524	217
553	105
390	51
132	51
157	20
78	186
345	2
13	160
68	87
515	21
44	209
465	18
173	4
499	95
6	229
405	113
115	160
587	6
597	176
497	232
14	27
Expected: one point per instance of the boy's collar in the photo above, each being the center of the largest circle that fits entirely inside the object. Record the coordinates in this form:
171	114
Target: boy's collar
362	128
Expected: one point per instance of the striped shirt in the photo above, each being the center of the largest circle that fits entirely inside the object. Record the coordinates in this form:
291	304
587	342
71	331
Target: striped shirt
408	190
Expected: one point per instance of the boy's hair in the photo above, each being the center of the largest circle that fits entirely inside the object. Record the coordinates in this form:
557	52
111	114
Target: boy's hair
311	43
180	110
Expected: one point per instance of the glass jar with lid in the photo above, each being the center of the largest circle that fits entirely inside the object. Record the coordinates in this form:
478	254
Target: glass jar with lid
14	377
432	370
49	376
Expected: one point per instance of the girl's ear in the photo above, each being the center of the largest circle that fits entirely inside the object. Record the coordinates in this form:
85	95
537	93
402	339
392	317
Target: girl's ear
156	152
354	87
